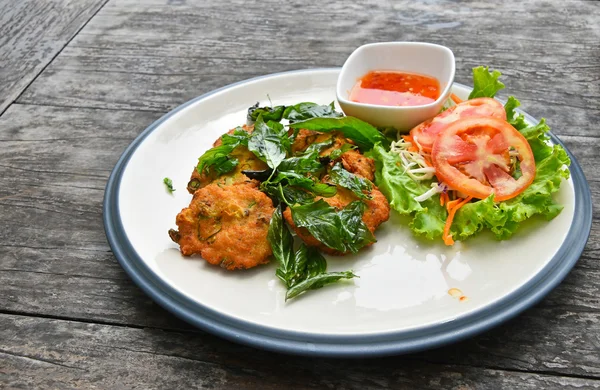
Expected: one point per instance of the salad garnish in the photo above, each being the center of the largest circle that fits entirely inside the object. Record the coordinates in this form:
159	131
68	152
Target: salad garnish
512	158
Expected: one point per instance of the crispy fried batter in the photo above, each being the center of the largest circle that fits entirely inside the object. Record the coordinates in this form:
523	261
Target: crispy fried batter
377	212
247	162
226	225
356	163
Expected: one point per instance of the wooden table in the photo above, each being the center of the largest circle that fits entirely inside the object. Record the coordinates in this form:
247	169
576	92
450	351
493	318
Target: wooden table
79	80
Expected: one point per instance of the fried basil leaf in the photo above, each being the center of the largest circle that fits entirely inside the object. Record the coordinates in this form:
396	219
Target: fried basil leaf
218	157
318	281
362	133
239	137
268	142
351	217
215	157
307	110
259	175
309	272
169	184
268	113
318	147
301	182
343	231
307	163
358	185
303	269
281	241
294	195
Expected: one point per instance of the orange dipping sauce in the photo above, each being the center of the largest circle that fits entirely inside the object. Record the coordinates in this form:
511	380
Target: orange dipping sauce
395	89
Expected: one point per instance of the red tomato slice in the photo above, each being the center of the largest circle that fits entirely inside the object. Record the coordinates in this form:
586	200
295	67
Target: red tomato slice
426	132
472	155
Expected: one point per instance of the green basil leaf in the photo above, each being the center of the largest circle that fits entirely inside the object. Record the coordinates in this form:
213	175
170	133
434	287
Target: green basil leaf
362	133
317	147
226	165
358	185
343	231
266	142
218	157
357	233
239	137
281	241
305	182
322	221
169	184
268	113
307	163
300	262
214	157
316	264
294	195
316	282
307	110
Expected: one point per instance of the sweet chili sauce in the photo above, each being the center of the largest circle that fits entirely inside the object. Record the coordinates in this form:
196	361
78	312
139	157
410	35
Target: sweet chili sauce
395	89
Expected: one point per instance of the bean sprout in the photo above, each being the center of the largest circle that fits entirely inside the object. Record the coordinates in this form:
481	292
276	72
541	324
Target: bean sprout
414	164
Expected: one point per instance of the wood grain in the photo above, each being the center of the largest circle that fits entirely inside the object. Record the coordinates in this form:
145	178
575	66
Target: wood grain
65	354
161	54
32	33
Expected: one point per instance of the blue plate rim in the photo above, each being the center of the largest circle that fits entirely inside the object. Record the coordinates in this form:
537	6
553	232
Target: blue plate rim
343	345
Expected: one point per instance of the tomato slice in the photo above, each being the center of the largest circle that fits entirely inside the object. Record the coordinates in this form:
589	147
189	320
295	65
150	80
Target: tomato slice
473	156
426	132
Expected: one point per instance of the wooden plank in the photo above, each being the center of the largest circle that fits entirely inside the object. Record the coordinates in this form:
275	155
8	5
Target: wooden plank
32	33
55	260
158	55
65	354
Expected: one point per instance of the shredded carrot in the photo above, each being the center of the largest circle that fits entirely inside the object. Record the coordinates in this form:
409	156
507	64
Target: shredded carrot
451	212
452	203
411	141
427	159
455	99
444	198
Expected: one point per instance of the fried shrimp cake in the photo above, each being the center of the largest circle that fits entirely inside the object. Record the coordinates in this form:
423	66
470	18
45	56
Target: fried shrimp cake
377	212
354	162
226	225
247	161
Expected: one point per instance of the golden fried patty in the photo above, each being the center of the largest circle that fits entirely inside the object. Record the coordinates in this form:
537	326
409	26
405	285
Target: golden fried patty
377	212
356	163
226	225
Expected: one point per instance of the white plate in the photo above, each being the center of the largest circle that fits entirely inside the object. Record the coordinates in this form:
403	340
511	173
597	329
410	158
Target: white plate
400	303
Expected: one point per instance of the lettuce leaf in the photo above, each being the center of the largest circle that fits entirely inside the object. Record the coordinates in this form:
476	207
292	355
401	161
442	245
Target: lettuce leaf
485	83
400	190
512	117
